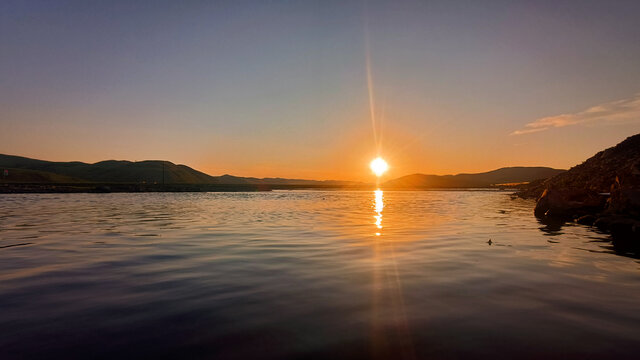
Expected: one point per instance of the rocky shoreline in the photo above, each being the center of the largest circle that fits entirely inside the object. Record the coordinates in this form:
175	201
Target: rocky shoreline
603	191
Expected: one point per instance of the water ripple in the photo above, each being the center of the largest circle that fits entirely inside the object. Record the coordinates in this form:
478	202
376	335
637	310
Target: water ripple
304	274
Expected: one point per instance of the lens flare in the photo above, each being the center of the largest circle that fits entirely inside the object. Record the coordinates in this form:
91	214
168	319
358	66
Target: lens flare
379	166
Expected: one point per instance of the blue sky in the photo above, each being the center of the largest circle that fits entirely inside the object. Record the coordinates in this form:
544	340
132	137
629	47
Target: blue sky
279	88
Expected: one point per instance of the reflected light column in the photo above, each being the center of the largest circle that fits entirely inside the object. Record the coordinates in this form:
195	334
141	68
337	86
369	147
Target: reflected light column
378	206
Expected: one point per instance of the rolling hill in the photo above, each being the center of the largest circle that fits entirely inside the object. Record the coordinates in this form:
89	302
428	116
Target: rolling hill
505	175
26	170
111	171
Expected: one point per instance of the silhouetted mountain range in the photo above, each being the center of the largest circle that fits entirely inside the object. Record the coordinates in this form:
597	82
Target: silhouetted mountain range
505	175
26	170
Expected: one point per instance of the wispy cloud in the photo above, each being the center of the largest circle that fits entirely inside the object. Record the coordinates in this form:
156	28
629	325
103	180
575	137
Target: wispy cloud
620	111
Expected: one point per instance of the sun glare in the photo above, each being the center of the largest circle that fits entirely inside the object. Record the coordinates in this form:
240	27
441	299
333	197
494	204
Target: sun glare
378	166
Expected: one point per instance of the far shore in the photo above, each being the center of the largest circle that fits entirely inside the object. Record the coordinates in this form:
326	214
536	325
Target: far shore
49	188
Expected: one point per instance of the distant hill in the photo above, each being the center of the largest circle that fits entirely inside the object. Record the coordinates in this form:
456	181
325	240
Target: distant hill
506	175
35	176
21	169
26	170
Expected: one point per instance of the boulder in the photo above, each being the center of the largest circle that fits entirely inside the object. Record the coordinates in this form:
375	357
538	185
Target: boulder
568	203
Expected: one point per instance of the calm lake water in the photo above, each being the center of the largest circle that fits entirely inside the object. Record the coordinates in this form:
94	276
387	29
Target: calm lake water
308	274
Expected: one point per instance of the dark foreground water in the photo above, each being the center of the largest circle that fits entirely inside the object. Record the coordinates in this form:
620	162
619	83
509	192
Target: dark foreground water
335	274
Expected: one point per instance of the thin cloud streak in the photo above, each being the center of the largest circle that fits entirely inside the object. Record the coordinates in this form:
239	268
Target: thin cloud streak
615	112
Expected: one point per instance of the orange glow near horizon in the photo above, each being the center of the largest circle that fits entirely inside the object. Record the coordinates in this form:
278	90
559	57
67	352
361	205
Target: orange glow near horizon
321	101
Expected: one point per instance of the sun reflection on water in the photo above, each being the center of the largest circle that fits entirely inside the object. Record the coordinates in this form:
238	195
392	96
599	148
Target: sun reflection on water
388	304
378	206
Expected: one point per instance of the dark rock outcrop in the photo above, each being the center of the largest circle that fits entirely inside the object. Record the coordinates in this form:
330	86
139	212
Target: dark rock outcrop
532	190
603	190
569	203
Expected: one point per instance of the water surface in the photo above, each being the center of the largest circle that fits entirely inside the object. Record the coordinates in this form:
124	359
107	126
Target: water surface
304	274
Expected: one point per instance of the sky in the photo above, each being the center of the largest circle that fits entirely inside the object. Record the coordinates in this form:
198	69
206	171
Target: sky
316	89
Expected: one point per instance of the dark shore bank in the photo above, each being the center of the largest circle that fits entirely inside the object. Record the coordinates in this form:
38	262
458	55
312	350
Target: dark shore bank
603	191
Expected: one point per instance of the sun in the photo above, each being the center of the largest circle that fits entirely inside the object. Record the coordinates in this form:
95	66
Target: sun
378	166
